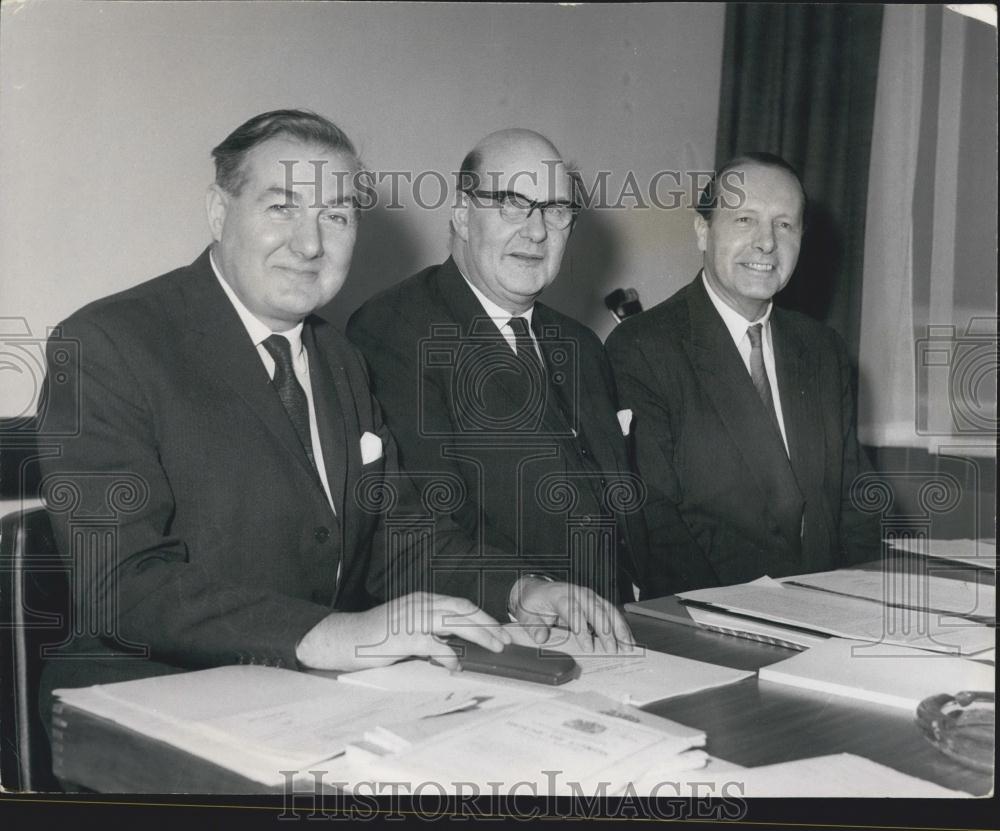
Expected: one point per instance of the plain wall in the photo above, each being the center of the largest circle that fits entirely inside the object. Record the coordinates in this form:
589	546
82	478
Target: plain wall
108	112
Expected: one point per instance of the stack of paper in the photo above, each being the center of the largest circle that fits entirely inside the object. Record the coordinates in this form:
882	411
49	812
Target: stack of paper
573	744
256	721
673	610
758	630
978	553
845	617
974	599
883	673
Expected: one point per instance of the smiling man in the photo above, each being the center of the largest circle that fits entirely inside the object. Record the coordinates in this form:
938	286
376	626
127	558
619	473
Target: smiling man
743	412
509	403
224	431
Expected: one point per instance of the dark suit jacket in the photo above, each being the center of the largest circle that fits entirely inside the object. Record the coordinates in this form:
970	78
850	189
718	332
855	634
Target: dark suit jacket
459	410
725	502
219	545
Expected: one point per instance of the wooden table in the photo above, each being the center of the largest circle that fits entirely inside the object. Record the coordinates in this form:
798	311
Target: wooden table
749	723
756	723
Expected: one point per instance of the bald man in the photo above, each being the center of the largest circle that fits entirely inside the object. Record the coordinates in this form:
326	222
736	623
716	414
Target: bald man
509	402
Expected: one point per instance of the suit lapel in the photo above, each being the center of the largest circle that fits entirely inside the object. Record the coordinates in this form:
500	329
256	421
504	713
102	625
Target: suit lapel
478	332
798	391
727	384
565	401
334	409
229	355
577	406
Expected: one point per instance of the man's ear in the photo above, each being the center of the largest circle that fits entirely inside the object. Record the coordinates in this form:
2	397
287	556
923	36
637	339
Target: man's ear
460	217
216	206
701	231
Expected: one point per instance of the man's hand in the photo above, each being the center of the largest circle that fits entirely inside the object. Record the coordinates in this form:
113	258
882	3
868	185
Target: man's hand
405	626
539	605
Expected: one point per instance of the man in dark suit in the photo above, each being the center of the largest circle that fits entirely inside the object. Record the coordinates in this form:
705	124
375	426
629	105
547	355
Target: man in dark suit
218	502
743	413
508	399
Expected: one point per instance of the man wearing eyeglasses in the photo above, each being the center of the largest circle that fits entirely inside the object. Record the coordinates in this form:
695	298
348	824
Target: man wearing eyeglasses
508	403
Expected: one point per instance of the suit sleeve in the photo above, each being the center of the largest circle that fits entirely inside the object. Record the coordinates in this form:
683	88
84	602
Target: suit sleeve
675	561
403	561
112	504
417	412
859	531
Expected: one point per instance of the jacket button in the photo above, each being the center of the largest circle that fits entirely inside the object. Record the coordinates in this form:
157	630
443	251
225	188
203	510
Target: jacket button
321	534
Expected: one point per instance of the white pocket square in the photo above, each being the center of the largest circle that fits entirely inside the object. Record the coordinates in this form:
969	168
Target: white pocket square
371	448
625	420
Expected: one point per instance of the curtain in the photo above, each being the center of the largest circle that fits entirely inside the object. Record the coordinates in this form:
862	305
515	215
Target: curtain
799	81
929	337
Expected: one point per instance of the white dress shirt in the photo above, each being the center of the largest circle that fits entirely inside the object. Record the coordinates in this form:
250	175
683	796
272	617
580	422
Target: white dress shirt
737	326
501	318
259	332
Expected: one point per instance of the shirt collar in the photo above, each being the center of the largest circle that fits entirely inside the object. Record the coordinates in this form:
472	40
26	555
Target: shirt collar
735	322
499	315
258	331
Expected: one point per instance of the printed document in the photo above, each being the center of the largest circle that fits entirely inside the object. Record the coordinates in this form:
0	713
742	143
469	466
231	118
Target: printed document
584	744
637	677
979	553
848	617
256	721
966	598
883	673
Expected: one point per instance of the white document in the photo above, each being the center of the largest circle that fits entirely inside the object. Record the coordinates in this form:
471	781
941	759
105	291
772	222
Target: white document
838	775
979	553
561	745
425	677
645	676
256	721
882	673
989	656
964	598
754	629
638	677
849	617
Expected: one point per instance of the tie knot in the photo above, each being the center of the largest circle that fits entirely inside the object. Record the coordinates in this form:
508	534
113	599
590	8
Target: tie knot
519	326
280	349
753	332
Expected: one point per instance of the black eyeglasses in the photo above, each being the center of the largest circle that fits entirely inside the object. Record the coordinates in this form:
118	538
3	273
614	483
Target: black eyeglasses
516	208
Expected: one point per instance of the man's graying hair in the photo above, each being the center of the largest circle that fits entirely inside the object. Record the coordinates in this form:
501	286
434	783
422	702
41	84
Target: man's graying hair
303	125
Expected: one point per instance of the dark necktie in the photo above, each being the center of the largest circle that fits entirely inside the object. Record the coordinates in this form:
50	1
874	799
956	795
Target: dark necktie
290	391
525	347
532	375
758	372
